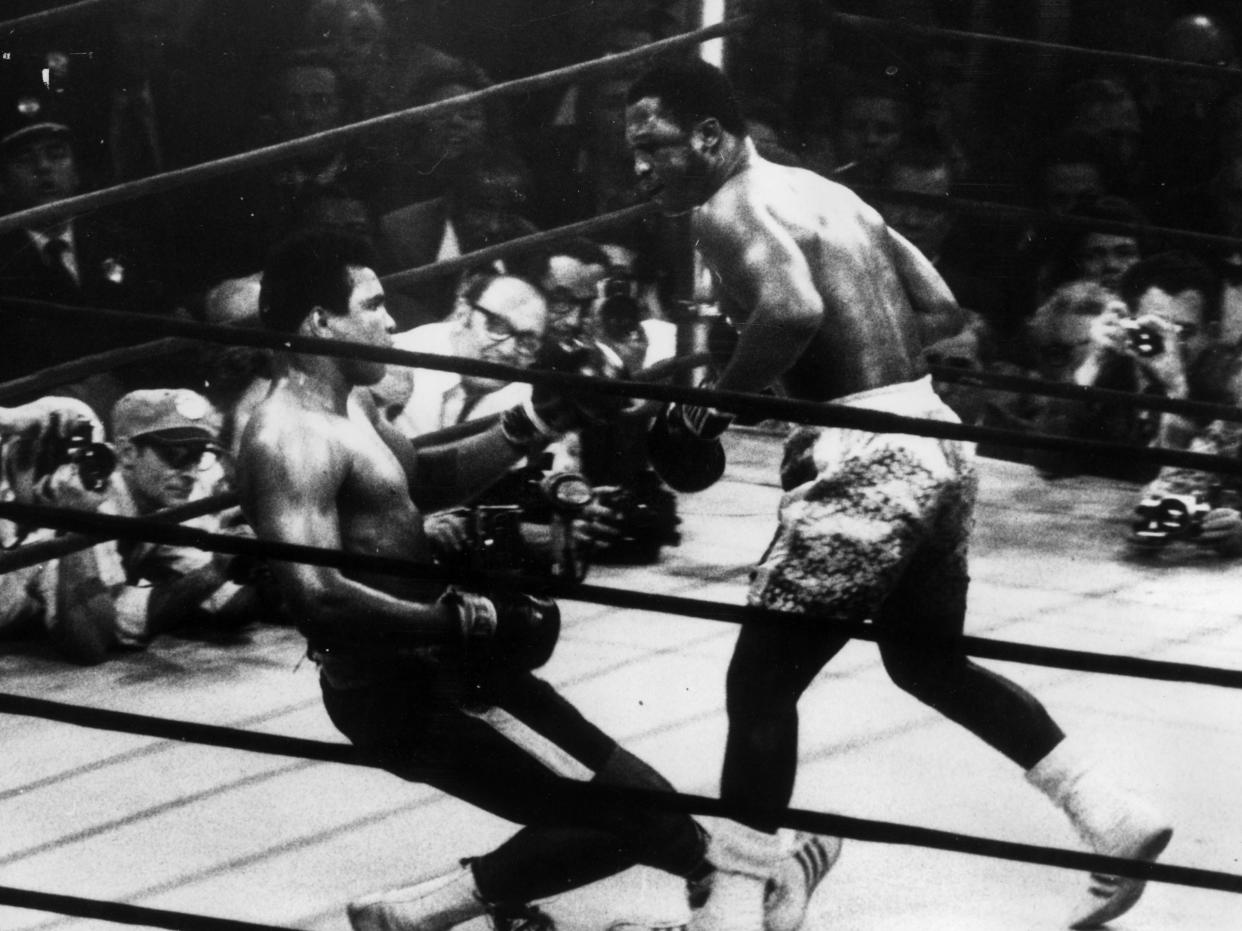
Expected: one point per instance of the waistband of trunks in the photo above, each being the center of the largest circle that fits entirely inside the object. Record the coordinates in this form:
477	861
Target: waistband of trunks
896	398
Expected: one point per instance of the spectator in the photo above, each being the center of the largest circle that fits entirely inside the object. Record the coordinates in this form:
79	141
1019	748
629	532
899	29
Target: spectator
484	206
1216	207
1104	110
41	598
574	276
499	318
571	275
82	260
1071	172
1097	255
245	213
168	453
380	75
872	121
924	165
124	593
1172	296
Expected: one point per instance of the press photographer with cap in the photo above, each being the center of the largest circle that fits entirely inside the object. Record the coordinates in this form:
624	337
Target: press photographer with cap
123	593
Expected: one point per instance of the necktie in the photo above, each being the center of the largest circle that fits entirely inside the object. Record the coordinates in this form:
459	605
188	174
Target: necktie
56	253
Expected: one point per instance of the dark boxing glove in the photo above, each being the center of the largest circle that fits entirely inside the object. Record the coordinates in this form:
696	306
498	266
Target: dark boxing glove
684	446
552	410
507	629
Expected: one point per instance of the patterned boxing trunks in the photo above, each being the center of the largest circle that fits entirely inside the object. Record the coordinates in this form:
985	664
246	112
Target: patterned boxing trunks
867	518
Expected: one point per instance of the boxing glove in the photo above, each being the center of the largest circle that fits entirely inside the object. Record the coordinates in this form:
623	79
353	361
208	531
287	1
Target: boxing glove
509	628
685	460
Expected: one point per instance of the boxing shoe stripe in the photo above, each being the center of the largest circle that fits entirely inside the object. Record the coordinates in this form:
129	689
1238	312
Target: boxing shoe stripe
533	743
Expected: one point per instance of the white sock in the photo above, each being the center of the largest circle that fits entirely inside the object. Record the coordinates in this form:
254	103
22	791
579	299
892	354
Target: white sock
1104	814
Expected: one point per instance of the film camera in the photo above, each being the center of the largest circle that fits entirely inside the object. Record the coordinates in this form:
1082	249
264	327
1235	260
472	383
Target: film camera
94	461
1162	519
619	312
495	543
1145	340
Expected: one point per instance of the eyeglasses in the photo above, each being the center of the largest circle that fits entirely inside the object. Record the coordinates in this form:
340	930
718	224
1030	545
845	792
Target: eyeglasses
182	456
498	330
559	299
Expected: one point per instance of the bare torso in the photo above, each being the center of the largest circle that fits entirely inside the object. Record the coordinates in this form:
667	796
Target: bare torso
826	241
337	463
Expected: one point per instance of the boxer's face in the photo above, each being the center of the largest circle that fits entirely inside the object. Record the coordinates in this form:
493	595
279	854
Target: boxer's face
672	161
365	320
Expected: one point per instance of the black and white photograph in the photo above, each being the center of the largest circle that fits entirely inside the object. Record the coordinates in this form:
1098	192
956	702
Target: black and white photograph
620	465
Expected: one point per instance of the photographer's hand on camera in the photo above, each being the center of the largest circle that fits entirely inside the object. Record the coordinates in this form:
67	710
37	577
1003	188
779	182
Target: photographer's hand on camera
1222	530
1109	340
44	416
63	488
598	526
1166	365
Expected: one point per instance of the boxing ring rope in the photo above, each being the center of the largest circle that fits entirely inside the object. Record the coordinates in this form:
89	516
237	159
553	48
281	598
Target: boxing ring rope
820	822
95	364
1086	393
783	408
518	245
123	913
31	554
1044	218
806	412
1007	651
318	143
875	24
55	15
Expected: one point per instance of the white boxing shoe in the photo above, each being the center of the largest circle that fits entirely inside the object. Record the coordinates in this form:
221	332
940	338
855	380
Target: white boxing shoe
1142	837
790	889
434	905
1112	820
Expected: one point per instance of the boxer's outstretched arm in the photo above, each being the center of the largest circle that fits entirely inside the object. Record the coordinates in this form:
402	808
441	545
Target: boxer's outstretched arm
291	479
447	474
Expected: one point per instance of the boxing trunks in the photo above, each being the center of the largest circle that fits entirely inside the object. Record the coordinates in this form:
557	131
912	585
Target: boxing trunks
867	514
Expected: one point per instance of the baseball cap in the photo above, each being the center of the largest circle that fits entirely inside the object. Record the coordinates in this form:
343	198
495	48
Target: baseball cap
172	415
28	115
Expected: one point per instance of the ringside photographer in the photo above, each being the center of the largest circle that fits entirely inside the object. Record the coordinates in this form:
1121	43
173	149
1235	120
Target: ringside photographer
121	594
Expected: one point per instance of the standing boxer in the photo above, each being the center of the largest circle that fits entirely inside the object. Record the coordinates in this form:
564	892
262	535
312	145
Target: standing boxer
830	302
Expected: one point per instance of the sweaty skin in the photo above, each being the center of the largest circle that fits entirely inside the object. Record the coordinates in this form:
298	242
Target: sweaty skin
811	278
318	466
824	296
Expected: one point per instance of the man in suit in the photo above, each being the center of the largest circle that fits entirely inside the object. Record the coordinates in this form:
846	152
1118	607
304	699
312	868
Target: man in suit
78	260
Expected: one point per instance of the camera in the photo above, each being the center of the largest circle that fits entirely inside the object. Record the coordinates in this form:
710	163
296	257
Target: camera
1146	341
620	313
94	461
1162	519
646	519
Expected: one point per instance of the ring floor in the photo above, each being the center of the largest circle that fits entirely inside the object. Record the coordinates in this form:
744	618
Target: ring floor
287	842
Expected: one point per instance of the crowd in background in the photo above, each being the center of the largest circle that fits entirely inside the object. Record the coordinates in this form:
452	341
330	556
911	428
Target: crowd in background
150	86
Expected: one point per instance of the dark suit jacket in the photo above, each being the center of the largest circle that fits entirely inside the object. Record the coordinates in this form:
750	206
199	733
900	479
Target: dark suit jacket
116	271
